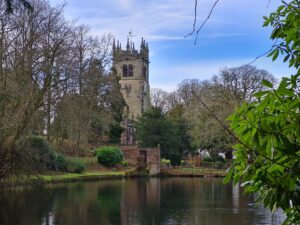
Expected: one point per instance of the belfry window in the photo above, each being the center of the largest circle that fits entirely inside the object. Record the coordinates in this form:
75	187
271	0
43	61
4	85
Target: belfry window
127	70
130	70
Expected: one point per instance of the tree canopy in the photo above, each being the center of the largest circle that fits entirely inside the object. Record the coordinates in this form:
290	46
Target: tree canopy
154	129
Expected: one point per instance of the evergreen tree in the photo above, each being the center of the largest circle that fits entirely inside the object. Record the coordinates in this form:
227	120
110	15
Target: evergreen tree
154	128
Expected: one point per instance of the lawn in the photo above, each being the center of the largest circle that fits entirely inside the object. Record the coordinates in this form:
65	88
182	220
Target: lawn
201	171
70	176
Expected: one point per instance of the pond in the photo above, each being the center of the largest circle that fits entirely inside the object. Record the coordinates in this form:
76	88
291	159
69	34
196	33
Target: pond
194	201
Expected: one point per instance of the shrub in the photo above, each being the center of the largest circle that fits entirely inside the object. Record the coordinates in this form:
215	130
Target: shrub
175	160
207	159
124	163
61	162
214	159
69	165
75	166
109	156
165	162
36	154
219	159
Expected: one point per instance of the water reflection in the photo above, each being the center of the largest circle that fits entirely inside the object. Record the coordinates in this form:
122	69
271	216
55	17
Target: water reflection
145	201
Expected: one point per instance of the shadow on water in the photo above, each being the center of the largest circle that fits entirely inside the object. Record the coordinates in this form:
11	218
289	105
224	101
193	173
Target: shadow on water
194	201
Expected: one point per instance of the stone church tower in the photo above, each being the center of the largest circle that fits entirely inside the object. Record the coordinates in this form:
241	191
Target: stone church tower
132	67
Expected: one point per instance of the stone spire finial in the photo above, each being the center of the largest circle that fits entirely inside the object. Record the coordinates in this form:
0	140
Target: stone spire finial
127	45
142	45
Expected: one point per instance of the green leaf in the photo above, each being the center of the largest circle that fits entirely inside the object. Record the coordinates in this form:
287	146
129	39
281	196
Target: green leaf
229	175
260	94
286	58
285	92
275	56
267	83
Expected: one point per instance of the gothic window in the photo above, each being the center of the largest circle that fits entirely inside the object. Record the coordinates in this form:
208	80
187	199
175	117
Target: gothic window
125	71
130	70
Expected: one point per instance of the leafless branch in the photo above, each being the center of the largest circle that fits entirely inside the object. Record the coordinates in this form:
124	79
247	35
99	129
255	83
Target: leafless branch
195	20
263	54
203	23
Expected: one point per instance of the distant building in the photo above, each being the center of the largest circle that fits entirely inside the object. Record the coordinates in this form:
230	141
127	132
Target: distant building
203	153
132	67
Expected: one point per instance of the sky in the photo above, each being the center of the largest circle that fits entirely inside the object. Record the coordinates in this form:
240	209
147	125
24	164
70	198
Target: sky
233	35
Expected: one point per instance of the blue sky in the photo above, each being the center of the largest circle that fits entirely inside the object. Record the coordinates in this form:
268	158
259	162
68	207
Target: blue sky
233	36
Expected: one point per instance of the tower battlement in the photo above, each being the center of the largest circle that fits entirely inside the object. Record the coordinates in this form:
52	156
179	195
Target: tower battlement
130	51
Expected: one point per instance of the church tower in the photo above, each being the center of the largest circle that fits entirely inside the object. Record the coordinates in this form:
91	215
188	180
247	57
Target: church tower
132	67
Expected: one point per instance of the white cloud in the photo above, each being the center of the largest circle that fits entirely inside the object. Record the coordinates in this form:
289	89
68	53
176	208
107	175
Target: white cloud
124	4
168	21
157	20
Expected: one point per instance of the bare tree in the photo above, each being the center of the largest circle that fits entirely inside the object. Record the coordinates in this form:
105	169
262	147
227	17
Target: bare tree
32	52
159	99
186	88
243	81
12	4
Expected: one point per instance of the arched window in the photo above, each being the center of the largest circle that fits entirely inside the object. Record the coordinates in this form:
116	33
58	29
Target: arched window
130	70
125	71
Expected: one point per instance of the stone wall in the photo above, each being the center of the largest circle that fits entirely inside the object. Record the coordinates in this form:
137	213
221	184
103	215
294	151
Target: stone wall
153	159
136	95
132	153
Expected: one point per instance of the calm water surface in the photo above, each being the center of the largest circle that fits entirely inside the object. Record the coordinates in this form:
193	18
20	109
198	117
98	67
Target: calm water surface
195	201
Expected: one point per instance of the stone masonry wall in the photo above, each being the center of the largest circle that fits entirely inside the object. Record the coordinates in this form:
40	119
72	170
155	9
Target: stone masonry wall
131	154
135	89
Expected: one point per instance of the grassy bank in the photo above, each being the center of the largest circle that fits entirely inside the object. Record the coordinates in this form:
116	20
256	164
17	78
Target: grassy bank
81	176
53	178
193	172
42	179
